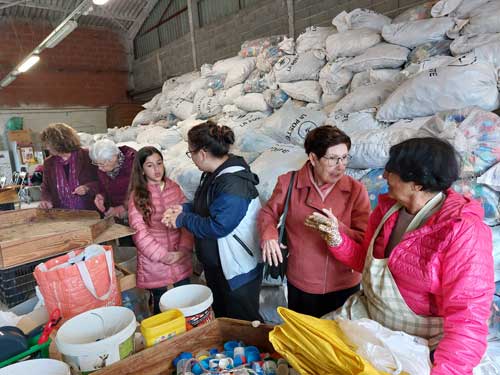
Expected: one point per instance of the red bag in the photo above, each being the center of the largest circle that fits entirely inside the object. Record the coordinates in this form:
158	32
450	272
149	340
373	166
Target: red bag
79	281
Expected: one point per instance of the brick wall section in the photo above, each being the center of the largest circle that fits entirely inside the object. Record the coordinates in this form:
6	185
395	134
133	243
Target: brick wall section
223	38
88	68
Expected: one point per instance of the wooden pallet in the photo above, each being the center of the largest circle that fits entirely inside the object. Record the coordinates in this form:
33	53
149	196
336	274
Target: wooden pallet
32	234
157	360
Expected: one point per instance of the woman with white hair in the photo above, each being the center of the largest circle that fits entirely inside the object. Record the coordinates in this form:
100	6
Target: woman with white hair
114	168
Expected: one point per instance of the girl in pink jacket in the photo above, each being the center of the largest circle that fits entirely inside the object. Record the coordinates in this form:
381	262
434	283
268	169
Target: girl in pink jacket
163	254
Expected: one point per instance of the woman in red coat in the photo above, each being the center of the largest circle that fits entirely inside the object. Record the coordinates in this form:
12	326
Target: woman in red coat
317	282
69	178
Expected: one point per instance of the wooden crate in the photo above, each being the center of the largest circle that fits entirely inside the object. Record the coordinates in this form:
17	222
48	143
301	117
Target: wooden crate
157	360
31	234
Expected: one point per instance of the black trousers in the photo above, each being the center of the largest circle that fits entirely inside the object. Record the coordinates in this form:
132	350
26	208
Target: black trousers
156	294
317	304
241	303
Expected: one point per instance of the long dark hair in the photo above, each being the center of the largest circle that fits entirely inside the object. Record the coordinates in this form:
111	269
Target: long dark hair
138	187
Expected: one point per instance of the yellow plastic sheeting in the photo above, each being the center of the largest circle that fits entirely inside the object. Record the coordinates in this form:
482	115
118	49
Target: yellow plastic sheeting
317	346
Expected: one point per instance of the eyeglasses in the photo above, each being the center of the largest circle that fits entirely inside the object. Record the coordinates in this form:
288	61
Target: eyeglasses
189	154
335	160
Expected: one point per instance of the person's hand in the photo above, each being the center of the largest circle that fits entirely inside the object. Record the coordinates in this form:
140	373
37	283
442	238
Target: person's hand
118	212
99	202
81	190
174	257
271	252
327	225
45	204
170	216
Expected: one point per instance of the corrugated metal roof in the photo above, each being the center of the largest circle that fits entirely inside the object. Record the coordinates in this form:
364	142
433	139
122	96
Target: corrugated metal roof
116	14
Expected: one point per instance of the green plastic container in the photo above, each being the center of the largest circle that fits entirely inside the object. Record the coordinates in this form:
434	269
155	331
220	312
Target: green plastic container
35	351
14	123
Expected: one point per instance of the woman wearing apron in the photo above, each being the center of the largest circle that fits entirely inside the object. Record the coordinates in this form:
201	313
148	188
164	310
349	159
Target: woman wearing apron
426	260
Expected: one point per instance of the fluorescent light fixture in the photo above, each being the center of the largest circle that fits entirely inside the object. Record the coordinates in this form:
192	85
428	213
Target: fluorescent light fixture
100	2
59	34
7	80
28	63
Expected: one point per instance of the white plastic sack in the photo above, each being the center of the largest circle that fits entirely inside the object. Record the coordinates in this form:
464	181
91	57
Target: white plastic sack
144	117
275	98
491	177
153	103
370	77
488	53
473	132
224	66
360	18
274	162
333	77
313	39
290	124
331	99
241	124
239	72
308	91
370	149
467	43
419	12
466	7
381	56
484	19
351	43
364	97
182	109
258	82
302	67
182	170
232	111
441	89
354	122
206	106
412	34
225	97
253	102
166	138
444	7
390	351
126	134
431	63
86	139
287	46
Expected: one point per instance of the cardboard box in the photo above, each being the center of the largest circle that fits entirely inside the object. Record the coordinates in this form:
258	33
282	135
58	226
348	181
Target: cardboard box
22	137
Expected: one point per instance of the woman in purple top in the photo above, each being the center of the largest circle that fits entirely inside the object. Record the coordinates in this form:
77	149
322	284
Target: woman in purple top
69	178
114	168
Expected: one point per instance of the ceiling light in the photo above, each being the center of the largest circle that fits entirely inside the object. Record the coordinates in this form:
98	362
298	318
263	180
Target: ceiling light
7	80
28	63
60	33
100	2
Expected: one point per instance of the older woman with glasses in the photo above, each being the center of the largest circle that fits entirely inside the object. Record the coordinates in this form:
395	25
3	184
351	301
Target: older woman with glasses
317	282
114	168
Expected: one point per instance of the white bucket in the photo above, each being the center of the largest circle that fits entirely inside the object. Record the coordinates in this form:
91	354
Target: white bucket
194	301
37	366
97	338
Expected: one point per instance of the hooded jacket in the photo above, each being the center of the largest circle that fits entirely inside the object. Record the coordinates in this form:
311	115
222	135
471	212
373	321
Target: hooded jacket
445	269
223	220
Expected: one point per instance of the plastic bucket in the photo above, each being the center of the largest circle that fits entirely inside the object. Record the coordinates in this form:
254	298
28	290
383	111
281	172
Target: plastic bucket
37	366
97	338
194	301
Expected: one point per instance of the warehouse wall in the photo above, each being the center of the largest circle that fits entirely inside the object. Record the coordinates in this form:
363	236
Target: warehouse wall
223	38
88	68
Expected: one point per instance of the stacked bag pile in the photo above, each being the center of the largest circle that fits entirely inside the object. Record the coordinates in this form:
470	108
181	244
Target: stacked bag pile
430	71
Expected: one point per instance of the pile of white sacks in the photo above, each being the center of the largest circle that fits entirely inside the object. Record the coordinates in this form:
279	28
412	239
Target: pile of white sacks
431	71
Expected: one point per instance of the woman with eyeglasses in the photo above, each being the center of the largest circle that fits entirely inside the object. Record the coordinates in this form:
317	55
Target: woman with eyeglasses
317	282
69	178
426	257
223	219
114	168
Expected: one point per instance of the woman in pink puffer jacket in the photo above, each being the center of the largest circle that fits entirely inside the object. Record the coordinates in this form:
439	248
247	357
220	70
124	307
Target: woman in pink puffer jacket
164	255
426	258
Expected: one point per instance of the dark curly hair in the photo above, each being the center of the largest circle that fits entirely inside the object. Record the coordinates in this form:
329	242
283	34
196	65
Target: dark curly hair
429	162
320	139
61	137
211	137
138	186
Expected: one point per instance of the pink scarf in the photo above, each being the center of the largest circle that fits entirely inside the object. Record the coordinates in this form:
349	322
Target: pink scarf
66	184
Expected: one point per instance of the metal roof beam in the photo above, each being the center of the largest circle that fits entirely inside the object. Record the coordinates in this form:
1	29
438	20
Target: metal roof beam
139	21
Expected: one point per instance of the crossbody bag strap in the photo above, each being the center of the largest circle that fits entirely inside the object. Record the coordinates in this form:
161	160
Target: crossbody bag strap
285	210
